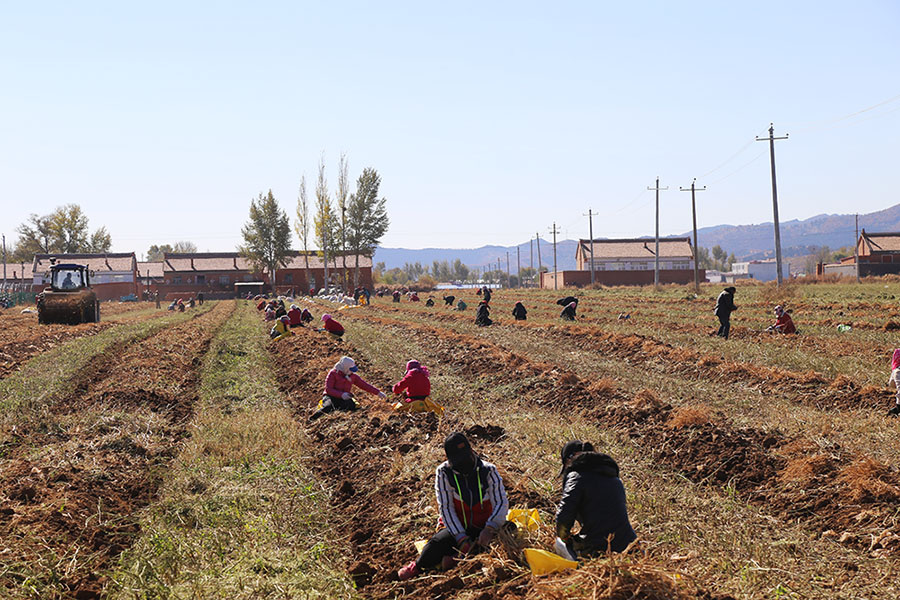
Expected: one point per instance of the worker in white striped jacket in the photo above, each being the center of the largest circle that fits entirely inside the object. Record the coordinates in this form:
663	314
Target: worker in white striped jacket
472	505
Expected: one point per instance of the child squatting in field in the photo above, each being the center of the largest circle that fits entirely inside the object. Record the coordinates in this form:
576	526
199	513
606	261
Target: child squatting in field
339	388
472	505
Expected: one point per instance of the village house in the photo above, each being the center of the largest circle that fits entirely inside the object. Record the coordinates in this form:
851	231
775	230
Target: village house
627	262
879	254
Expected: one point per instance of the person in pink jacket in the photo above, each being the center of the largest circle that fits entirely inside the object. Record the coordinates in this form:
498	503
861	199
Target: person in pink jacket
339	388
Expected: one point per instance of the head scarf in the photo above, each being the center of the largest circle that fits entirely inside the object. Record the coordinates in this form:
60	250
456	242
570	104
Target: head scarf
346	365
326	317
895	359
414	364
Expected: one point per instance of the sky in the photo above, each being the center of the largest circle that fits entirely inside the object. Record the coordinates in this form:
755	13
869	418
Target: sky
488	122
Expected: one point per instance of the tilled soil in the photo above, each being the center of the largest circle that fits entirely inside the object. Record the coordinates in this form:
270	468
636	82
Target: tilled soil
69	488
855	496
22	337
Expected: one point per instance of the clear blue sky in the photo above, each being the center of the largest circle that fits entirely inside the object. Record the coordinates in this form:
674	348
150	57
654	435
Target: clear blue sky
487	121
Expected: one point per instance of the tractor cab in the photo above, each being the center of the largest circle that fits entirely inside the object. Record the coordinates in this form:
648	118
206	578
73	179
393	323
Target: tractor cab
68	277
69	299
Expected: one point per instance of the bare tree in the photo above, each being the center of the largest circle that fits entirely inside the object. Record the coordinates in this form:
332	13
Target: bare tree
301	225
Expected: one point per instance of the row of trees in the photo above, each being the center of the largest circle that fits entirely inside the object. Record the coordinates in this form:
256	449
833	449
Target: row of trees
354	226
425	276
718	259
156	253
65	230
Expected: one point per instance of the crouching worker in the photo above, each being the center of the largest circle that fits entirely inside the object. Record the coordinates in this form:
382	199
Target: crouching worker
895	380
594	496
449	300
783	322
519	311
415	387
282	329
568	313
295	316
472	505
483	316
332	326
339	388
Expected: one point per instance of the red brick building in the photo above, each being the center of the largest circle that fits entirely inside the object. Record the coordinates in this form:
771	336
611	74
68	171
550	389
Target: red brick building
216	273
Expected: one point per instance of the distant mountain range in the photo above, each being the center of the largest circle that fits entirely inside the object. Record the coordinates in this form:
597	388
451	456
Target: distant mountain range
747	242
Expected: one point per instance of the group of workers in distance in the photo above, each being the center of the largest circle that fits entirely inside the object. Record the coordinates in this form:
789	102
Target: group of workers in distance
285	320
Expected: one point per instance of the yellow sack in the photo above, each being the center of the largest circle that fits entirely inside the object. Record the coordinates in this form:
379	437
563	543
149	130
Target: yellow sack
420	544
542	562
418	406
525	518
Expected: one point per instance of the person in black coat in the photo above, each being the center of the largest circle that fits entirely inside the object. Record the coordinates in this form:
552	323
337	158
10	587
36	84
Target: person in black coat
568	313
487	294
449	300
567	300
594	496
519	311
724	307
483	316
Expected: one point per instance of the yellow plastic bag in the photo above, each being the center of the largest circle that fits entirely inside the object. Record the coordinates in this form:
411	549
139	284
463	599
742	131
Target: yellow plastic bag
542	562
525	518
419	544
418	406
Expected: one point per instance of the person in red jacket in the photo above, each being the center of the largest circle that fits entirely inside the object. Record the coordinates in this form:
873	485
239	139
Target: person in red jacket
294	316
414	389
783	322
339	388
332	326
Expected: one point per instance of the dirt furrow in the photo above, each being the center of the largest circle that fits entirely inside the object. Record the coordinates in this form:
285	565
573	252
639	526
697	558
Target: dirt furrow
70	488
838	491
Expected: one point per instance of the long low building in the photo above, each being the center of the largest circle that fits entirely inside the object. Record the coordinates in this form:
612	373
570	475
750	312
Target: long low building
630	261
216	273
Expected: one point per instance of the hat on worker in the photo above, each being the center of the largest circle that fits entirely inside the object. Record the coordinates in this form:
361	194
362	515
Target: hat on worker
326	317
346	365
731	289
458	449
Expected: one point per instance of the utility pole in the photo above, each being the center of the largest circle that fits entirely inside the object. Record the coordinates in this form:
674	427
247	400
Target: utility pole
540	266
771	139
554	231
693	190
855	252
508	281
4	262
590	216
518	268
656	263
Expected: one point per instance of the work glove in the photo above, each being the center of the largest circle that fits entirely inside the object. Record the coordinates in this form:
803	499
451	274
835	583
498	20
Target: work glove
382	395
486	535
346	395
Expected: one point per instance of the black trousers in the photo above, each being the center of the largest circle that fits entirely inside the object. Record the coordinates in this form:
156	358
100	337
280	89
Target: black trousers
442	544
331	404
724	326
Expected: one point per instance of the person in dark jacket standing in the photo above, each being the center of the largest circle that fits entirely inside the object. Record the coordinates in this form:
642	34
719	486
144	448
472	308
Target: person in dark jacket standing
519	311
594	496
568	313
472	505
724	307
483	316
